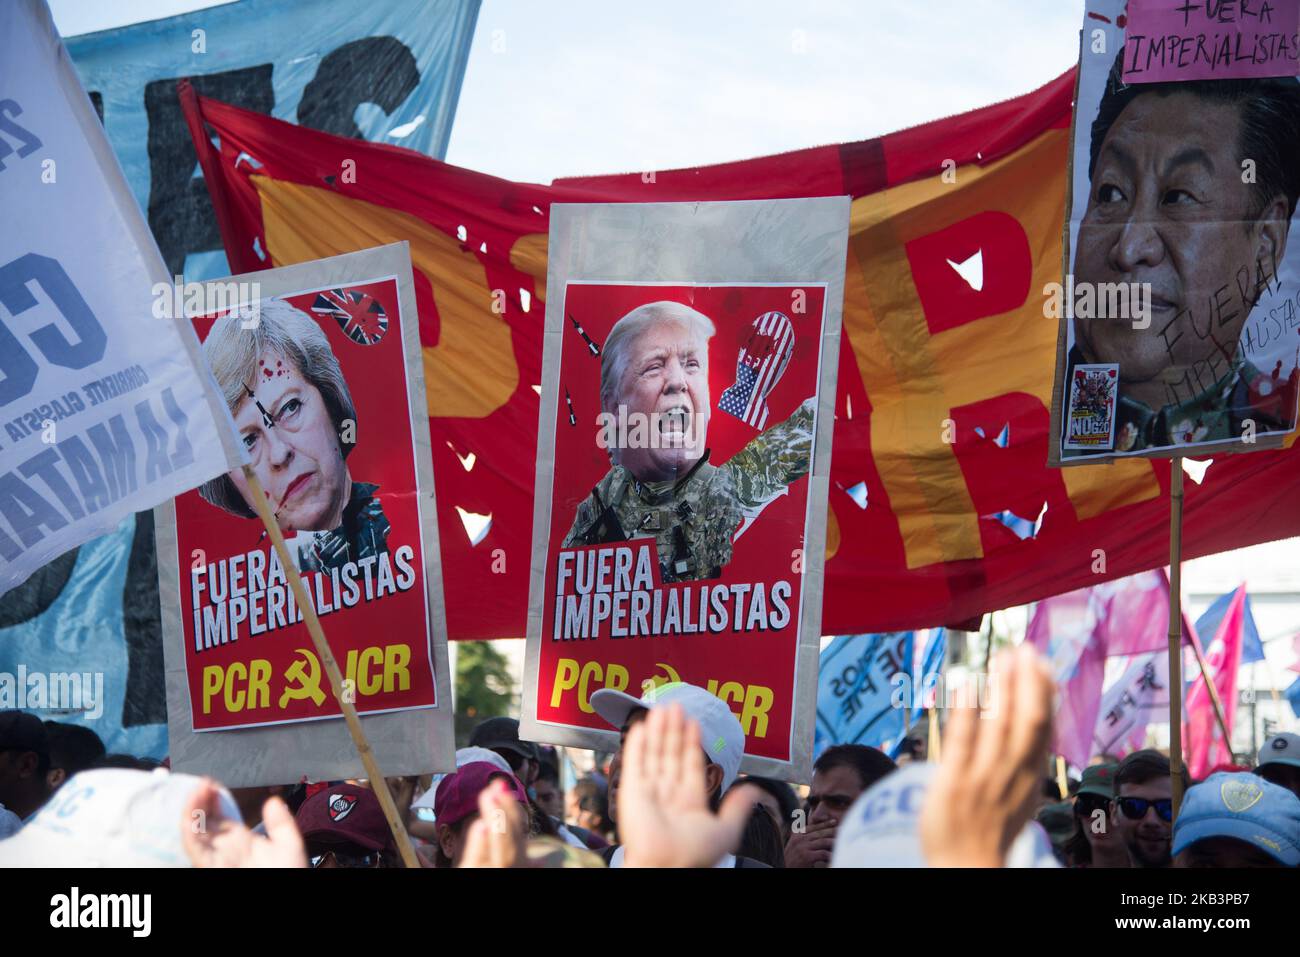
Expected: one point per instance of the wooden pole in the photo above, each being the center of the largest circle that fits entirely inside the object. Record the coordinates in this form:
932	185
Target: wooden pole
1062	778
377	782
1176	632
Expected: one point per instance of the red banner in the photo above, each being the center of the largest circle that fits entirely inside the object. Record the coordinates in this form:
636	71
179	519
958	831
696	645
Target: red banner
942	505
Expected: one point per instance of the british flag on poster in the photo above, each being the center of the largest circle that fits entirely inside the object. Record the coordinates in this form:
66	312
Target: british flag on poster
359	315
759	367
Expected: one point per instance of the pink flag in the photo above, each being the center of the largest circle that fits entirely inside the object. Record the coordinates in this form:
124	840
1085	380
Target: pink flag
1079	630
1206	748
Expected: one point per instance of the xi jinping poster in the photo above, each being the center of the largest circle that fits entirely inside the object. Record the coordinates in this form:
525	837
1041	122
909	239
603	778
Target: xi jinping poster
684	444
1180	306
320	365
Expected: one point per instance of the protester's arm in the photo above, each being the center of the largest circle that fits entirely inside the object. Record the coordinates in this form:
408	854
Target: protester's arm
771	461
211	839
992	769
663	808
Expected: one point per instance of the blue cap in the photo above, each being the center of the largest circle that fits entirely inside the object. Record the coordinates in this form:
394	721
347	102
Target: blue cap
1281	749
1244	806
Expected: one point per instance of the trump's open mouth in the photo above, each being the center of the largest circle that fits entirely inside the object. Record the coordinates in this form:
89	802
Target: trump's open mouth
675	426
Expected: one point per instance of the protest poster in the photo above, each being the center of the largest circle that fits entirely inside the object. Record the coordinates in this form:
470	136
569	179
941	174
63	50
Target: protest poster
688	380
106	407
322	372
1180	305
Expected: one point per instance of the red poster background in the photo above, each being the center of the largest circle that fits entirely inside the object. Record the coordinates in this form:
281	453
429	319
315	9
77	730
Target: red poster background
384	455
768	551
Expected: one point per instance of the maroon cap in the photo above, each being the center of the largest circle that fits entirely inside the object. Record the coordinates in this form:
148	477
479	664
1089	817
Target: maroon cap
457	794
345	812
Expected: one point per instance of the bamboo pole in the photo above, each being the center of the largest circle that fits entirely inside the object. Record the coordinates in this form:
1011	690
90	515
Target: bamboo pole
377	782
1176	633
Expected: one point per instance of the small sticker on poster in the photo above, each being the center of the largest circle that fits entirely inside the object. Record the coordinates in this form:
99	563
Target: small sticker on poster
1091	414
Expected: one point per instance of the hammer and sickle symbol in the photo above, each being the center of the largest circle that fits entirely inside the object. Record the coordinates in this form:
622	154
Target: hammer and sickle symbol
305	671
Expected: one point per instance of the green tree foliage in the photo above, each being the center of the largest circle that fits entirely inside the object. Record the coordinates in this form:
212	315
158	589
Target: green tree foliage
484	686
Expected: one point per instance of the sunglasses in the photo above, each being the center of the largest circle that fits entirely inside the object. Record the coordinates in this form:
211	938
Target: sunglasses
1136	808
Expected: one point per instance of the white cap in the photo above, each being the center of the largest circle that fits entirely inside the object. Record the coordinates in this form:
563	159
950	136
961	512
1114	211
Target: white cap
882	828
1281	749
464	756
114	817
720	732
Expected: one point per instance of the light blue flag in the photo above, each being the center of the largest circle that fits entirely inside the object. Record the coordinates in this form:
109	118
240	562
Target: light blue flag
388	71
854	691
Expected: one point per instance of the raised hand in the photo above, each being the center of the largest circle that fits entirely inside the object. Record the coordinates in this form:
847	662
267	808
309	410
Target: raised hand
497	838
211	839
663	807
992	769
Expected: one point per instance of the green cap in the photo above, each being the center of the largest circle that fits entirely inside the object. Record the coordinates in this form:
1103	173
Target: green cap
1058	821
1099	779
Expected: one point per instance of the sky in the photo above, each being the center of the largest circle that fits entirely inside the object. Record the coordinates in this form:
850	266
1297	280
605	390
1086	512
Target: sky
573	87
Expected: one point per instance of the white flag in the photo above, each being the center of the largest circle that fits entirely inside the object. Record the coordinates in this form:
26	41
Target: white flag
1140	696
105	409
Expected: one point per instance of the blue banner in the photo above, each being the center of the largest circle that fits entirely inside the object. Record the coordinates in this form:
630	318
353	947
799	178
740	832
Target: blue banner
388	71
88	614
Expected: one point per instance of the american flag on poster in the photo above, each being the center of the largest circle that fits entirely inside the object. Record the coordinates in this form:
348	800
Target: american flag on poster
759	367
360	316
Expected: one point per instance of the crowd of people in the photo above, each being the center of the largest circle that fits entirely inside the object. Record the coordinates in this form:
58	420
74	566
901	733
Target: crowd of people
672	795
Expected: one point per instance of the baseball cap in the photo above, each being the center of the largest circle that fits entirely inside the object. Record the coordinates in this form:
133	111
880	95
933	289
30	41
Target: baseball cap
882	827
464	756
502	733
111	817
1098	779
1281	749
1058	821
20	731
457	795
1244	806
345	812
720	731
